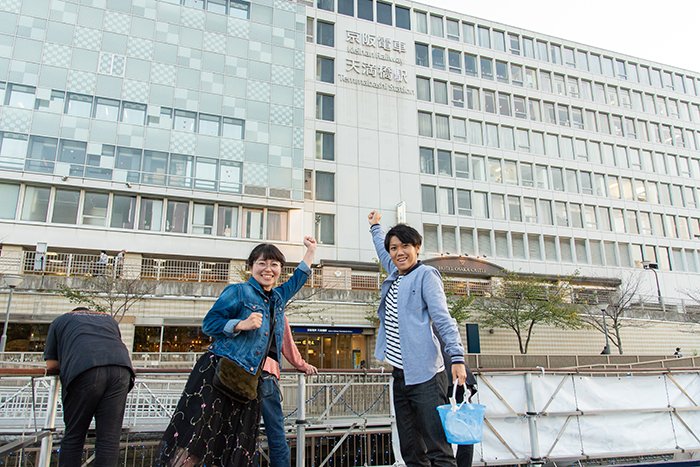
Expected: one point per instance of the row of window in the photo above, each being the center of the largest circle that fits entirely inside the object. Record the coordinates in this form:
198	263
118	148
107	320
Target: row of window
236	8
545	177
555	249
123	164
514	208
562	85
401	17
491	38
123	211
479	133
114	110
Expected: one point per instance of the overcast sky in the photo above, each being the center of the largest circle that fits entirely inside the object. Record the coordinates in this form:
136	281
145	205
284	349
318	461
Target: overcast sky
661	31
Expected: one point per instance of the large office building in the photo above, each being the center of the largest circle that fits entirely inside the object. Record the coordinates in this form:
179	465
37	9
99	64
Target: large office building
187	131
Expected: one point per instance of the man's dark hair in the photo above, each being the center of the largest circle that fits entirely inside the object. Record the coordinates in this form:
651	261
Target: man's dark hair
81	308
405	233
265	251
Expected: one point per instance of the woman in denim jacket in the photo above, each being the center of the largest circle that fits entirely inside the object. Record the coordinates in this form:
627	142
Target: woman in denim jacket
209	428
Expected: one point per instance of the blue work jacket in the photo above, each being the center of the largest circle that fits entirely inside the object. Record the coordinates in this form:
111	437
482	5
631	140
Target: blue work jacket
421	306
236	303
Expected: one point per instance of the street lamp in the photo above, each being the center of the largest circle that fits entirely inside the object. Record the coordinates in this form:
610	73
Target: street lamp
606	349
650	266
11	281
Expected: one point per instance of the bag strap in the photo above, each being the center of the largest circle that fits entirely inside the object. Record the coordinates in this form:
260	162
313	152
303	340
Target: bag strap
272	336
453	399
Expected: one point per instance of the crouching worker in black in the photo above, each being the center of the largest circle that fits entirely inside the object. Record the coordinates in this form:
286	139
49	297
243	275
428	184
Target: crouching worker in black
96	376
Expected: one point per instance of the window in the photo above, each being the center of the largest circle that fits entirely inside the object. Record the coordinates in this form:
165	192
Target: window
72	154
502	71
9	193
489	101
176	216
454	59
473	98
180	170
240	9
403	17
438	56
325	146
516	72
325	107
529	210
504	104
233	128
436	27
20	96
209	124
498	206
452	29
203	219
41	155
123	212
365	9
128	163
425	124
205	173
325	186
422	54
457	95
486	68
444	159
79	105
446	201
325	5
325	228
428	199
227	221
277	225
184	121
106	109
484	37
325	69
461	165
384	13
136	114
253	223
325	33
35	205
475	134
65	207
442	126
545	211
346	7
440	90
150	216
421	22
427	161
470	66
155	166
480	205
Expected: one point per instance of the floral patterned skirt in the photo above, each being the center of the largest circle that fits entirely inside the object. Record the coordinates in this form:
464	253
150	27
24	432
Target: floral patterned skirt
208	428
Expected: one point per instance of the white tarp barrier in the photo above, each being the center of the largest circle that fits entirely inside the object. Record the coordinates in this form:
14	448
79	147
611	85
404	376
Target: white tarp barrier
572	416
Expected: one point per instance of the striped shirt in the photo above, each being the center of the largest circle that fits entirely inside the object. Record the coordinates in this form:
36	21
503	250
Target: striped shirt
391	322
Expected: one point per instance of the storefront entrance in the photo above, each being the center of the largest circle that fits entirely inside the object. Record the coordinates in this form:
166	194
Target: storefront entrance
337	348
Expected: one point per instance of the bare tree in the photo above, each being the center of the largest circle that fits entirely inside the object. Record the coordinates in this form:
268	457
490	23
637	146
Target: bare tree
521	303
109	294
608	316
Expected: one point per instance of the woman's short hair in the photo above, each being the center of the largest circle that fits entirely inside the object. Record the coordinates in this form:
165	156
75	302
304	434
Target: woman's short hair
266	251
405	233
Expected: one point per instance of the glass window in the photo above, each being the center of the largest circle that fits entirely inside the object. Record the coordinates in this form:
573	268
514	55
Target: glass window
180	169
327	5
545	211
427	161
184	121
203	219
428	199
425	124
422	54
528	47
446	201
129	161
205	173
227	221
9	193
442	126
459	129
155	166
486	68
325	229
42	154
150	216
452	29
79	105
475	133
35	205
20	96
65	207
240	9
325	33
73	153
464	202
217	6
325	67
135	114
504	104
403	17
438	56
461	165
325	186
365	9
436	26
514	212
325	107
498	206
230	176
480	206
502	71
277	224
457	95
233	128
123	212
454	59
444	159
421	22
423	88
209	124
346	7
95	209
325	145
106	109
484	37
516	72
176	216
440	89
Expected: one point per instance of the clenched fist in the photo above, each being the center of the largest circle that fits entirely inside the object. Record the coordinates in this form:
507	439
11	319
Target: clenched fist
374	217
254	321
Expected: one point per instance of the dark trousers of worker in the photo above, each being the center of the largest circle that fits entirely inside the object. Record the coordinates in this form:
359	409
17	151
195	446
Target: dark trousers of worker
273	417
465	452
421	435
99	392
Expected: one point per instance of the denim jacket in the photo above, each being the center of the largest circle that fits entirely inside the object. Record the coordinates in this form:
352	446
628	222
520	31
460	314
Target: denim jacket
421	302
236	303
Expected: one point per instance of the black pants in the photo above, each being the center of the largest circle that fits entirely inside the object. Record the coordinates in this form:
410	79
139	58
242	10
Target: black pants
421	436
99	392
